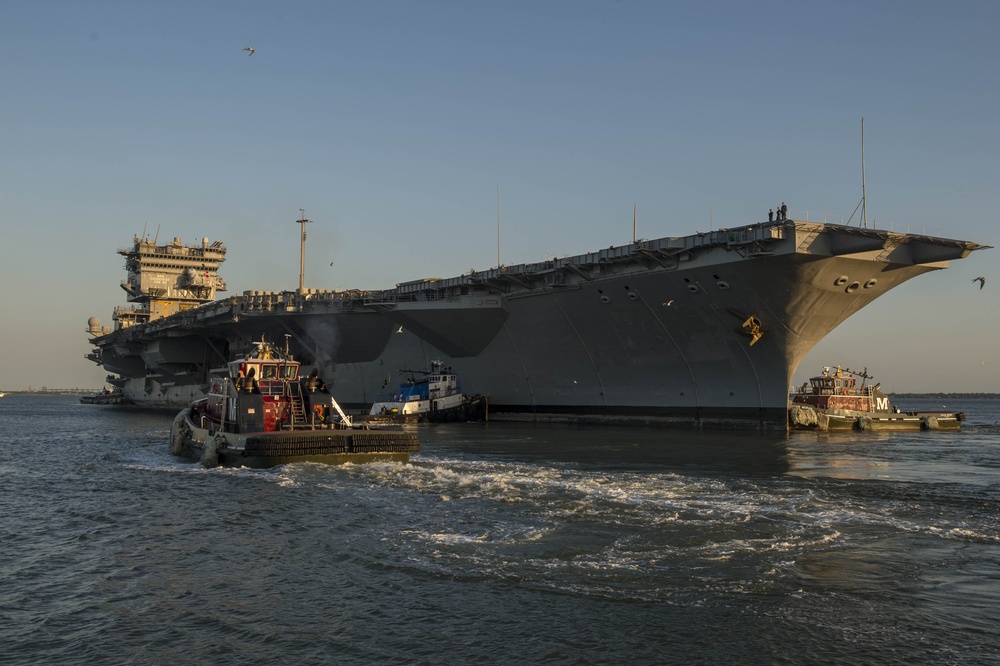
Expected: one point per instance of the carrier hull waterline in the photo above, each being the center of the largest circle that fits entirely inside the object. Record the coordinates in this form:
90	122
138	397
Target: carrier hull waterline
702	331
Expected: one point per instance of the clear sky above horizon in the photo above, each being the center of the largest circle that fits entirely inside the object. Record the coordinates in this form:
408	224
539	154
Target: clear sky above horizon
393	124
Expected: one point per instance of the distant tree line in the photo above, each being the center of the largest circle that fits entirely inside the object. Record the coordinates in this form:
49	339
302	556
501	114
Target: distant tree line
54	391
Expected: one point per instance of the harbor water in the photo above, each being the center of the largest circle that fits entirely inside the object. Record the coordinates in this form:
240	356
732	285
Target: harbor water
501	543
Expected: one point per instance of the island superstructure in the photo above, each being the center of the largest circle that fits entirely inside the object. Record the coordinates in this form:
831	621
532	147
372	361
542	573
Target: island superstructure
165	279
704	330
162	280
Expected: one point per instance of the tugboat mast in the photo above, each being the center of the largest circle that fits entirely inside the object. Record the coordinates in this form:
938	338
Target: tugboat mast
302	256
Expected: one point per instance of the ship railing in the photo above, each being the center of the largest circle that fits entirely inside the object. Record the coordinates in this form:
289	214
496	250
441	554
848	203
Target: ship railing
293	391
540	266
666	246
437	284
126	310
829	218
127	317
268	301
814	216
802	389
608	255
450	289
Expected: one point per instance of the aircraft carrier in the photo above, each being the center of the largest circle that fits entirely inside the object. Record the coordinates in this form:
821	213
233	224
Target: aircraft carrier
704	330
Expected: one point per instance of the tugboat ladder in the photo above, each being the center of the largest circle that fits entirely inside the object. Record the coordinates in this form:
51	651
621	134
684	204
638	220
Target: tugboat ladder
298	410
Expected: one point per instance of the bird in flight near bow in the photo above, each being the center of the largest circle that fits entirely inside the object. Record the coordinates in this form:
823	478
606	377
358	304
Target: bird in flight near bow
981	280
250	49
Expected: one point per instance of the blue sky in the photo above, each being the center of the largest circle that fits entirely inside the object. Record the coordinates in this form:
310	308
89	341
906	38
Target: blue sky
393	124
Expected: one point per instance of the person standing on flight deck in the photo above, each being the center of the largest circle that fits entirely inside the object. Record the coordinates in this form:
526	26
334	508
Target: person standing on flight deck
784	211
770	215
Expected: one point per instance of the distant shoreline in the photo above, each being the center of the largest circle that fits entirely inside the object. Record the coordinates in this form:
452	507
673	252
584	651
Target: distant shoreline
52	392
948	396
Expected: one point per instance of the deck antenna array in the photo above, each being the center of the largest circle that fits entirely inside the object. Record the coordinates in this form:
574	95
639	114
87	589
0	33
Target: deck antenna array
864	195
863	204
302	256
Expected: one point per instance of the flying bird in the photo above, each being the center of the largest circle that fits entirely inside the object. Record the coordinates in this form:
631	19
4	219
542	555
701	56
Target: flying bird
250	49
981	280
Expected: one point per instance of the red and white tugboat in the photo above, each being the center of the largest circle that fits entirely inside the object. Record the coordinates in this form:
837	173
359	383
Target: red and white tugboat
262	414
835	401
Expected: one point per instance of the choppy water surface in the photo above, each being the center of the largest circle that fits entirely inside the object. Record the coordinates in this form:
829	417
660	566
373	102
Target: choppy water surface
500	543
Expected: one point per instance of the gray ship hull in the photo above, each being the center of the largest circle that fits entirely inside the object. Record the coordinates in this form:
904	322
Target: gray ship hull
701	331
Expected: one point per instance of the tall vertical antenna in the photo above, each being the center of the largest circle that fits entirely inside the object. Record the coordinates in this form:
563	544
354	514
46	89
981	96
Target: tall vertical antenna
864	195
302	256
633	222
498	226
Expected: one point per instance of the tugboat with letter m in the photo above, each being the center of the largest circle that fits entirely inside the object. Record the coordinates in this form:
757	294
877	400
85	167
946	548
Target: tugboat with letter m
834	401
262	414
